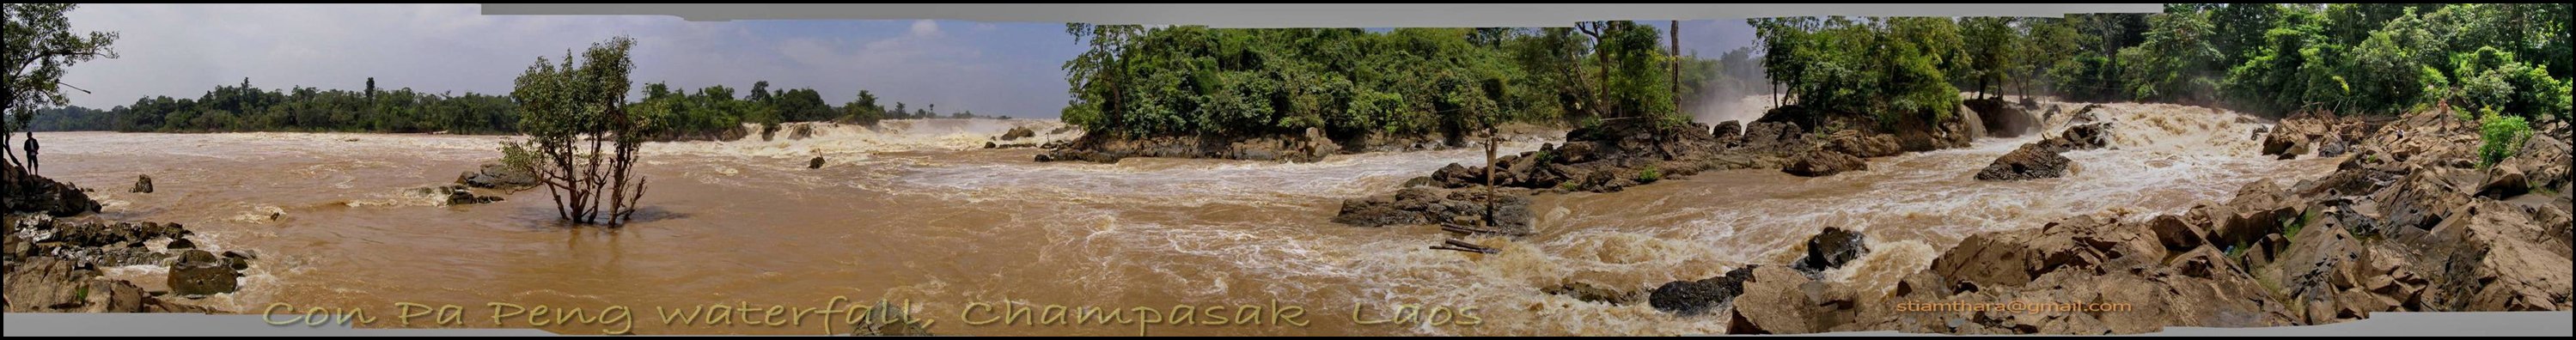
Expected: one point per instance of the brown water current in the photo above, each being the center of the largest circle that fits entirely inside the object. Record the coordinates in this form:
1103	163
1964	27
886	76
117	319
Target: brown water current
916	211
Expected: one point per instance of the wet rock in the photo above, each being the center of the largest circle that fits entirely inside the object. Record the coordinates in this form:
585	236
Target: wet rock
2001	120
1696	297
1864	145
33	193
1824	163
1017	133
460	195
816	163
1589	293
142	184
1460	208
95	234
2031	161
176	244
2258	133
1831	249
497	176
200	273
2043	158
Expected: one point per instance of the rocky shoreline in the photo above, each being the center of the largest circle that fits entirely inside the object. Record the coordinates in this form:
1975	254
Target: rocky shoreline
1623	153
55	253
2407	222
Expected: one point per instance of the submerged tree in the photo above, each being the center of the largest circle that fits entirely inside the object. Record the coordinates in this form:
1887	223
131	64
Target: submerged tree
575	114
41	44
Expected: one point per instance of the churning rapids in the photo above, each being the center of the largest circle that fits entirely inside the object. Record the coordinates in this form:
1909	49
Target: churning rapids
918	210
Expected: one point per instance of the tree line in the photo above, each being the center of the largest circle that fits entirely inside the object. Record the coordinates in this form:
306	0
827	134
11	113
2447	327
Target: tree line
2271	59
244	108
1189	80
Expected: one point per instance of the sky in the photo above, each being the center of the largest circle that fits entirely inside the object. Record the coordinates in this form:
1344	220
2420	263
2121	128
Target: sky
990	68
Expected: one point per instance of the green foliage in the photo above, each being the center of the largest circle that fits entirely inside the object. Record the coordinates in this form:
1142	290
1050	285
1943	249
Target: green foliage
2502	136
1650	175
569	103
1897	69
247	108
1190	80
41	44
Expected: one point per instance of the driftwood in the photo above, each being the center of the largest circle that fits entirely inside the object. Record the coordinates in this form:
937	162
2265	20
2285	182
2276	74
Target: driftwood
1457	245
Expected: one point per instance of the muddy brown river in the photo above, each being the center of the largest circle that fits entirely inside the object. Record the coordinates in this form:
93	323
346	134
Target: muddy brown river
915	211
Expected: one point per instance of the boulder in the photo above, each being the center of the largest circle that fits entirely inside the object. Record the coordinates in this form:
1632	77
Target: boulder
200	273
2504	181
816	163
2001	120
1822	163
1831	249
2031	161
1688	298
46	283
1017	133
1458	208
1727	131
460	195
1776	301
142	184
1864	145
497	176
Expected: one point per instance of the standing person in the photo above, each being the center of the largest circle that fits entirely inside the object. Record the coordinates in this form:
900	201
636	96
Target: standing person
31	153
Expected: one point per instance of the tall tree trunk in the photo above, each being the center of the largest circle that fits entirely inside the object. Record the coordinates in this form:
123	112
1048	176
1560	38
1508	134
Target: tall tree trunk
1676	64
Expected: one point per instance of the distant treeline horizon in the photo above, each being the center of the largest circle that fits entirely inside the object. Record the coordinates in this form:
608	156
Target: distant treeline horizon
247	108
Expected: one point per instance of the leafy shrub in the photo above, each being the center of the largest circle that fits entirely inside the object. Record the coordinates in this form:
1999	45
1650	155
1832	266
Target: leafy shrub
2503	135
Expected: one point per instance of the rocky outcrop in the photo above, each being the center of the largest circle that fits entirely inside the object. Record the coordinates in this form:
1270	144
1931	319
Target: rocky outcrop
1824	163
2318	132
24	192
1609	158
462	195
142	184
1701	296
1017	133
497	176
1863	145
1108	148
2045	158
1454	209
1831	249
2403	224
59	271
2000	119
200	273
